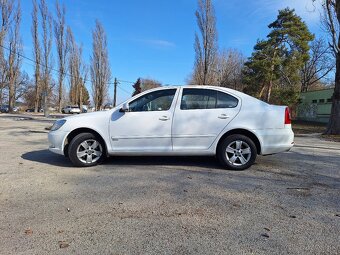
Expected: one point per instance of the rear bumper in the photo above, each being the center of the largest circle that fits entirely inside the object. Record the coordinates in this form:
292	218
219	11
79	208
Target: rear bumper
56	141
275	140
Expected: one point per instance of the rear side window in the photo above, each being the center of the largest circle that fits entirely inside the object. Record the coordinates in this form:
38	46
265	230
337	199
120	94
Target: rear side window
206	99
225	100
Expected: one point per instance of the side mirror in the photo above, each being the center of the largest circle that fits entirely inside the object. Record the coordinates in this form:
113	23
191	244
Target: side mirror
125	108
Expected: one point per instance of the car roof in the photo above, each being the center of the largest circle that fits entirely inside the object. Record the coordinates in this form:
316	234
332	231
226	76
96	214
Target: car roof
238	93
245	97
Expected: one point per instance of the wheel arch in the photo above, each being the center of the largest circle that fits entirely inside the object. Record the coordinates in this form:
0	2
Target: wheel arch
241	131
78	131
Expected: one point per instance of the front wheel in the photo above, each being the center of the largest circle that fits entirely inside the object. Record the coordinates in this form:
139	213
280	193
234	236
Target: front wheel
86	149
237	152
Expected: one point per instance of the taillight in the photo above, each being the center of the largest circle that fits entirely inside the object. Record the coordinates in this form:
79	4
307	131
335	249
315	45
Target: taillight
288	119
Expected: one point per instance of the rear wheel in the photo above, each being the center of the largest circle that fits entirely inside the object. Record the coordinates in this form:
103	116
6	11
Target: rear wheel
237	152
86	149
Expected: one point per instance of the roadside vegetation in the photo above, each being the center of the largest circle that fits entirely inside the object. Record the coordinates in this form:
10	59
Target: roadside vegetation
307	127
288	61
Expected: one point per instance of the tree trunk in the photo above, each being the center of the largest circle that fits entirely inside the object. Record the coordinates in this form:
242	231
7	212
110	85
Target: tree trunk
270	86
37	99
1	95
60	95
262	91
334	120
81	97
11	97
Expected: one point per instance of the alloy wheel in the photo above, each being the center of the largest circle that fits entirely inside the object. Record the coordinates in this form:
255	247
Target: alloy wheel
238	153
89	151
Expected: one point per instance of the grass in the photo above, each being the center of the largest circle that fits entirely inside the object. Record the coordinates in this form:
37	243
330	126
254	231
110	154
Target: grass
304	127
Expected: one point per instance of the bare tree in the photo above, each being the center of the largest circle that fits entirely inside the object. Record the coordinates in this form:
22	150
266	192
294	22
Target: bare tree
22	84
37	56
206	47
60	38
14	56
229	69
149	83
100	66
46	25
6	12
29	95
320	64
332	23
77	70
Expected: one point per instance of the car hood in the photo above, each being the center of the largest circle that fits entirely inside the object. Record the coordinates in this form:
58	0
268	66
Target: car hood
88	115
86	120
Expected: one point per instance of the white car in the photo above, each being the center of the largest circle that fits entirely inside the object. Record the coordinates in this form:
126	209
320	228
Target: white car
71	109
188	120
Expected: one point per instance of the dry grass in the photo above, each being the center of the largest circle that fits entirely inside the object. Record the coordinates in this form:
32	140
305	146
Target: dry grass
304	127
333	138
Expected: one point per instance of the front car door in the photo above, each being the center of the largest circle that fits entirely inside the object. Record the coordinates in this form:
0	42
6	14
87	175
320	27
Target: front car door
201	116
146	127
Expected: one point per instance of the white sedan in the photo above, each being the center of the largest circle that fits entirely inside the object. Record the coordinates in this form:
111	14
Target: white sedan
188	120
71	109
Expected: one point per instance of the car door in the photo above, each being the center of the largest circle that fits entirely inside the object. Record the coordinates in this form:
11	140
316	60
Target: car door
200	117
146	127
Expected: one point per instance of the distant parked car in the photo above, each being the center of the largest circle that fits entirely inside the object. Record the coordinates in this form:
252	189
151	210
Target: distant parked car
71	109
32	110
84	109
5	108
189	120
108	107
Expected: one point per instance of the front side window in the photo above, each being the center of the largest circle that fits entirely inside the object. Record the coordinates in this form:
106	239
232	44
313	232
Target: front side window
155	101
206	99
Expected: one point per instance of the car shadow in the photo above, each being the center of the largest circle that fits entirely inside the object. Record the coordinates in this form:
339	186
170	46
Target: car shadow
192	161
47	157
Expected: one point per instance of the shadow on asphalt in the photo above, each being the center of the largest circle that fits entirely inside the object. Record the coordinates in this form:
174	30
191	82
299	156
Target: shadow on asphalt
47	157
20	118
193	161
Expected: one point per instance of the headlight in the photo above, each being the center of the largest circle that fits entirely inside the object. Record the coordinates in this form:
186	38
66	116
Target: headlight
58	124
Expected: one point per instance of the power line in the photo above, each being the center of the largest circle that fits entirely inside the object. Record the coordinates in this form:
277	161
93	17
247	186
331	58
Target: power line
57	71
127	92
127	81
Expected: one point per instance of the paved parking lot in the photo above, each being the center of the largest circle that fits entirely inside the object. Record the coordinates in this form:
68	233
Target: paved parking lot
285	204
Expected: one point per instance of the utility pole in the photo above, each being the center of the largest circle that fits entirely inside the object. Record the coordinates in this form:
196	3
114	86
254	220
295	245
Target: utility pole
115	92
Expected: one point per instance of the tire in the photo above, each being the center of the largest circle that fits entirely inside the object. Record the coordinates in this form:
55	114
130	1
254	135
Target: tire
81	152
237	152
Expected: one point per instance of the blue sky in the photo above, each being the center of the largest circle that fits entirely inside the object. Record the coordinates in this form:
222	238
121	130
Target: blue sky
154	39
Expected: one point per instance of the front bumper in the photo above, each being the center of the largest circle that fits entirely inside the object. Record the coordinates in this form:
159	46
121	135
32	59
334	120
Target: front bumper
56	141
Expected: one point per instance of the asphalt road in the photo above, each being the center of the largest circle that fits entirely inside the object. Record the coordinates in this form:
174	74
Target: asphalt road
285	204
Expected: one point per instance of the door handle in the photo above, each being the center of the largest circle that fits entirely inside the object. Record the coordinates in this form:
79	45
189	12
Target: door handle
223	116
164	118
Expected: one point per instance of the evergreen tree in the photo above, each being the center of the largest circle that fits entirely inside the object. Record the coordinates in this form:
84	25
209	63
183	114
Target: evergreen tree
277	60
137	87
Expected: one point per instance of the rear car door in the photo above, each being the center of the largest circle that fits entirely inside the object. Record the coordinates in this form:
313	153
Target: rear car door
200	117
